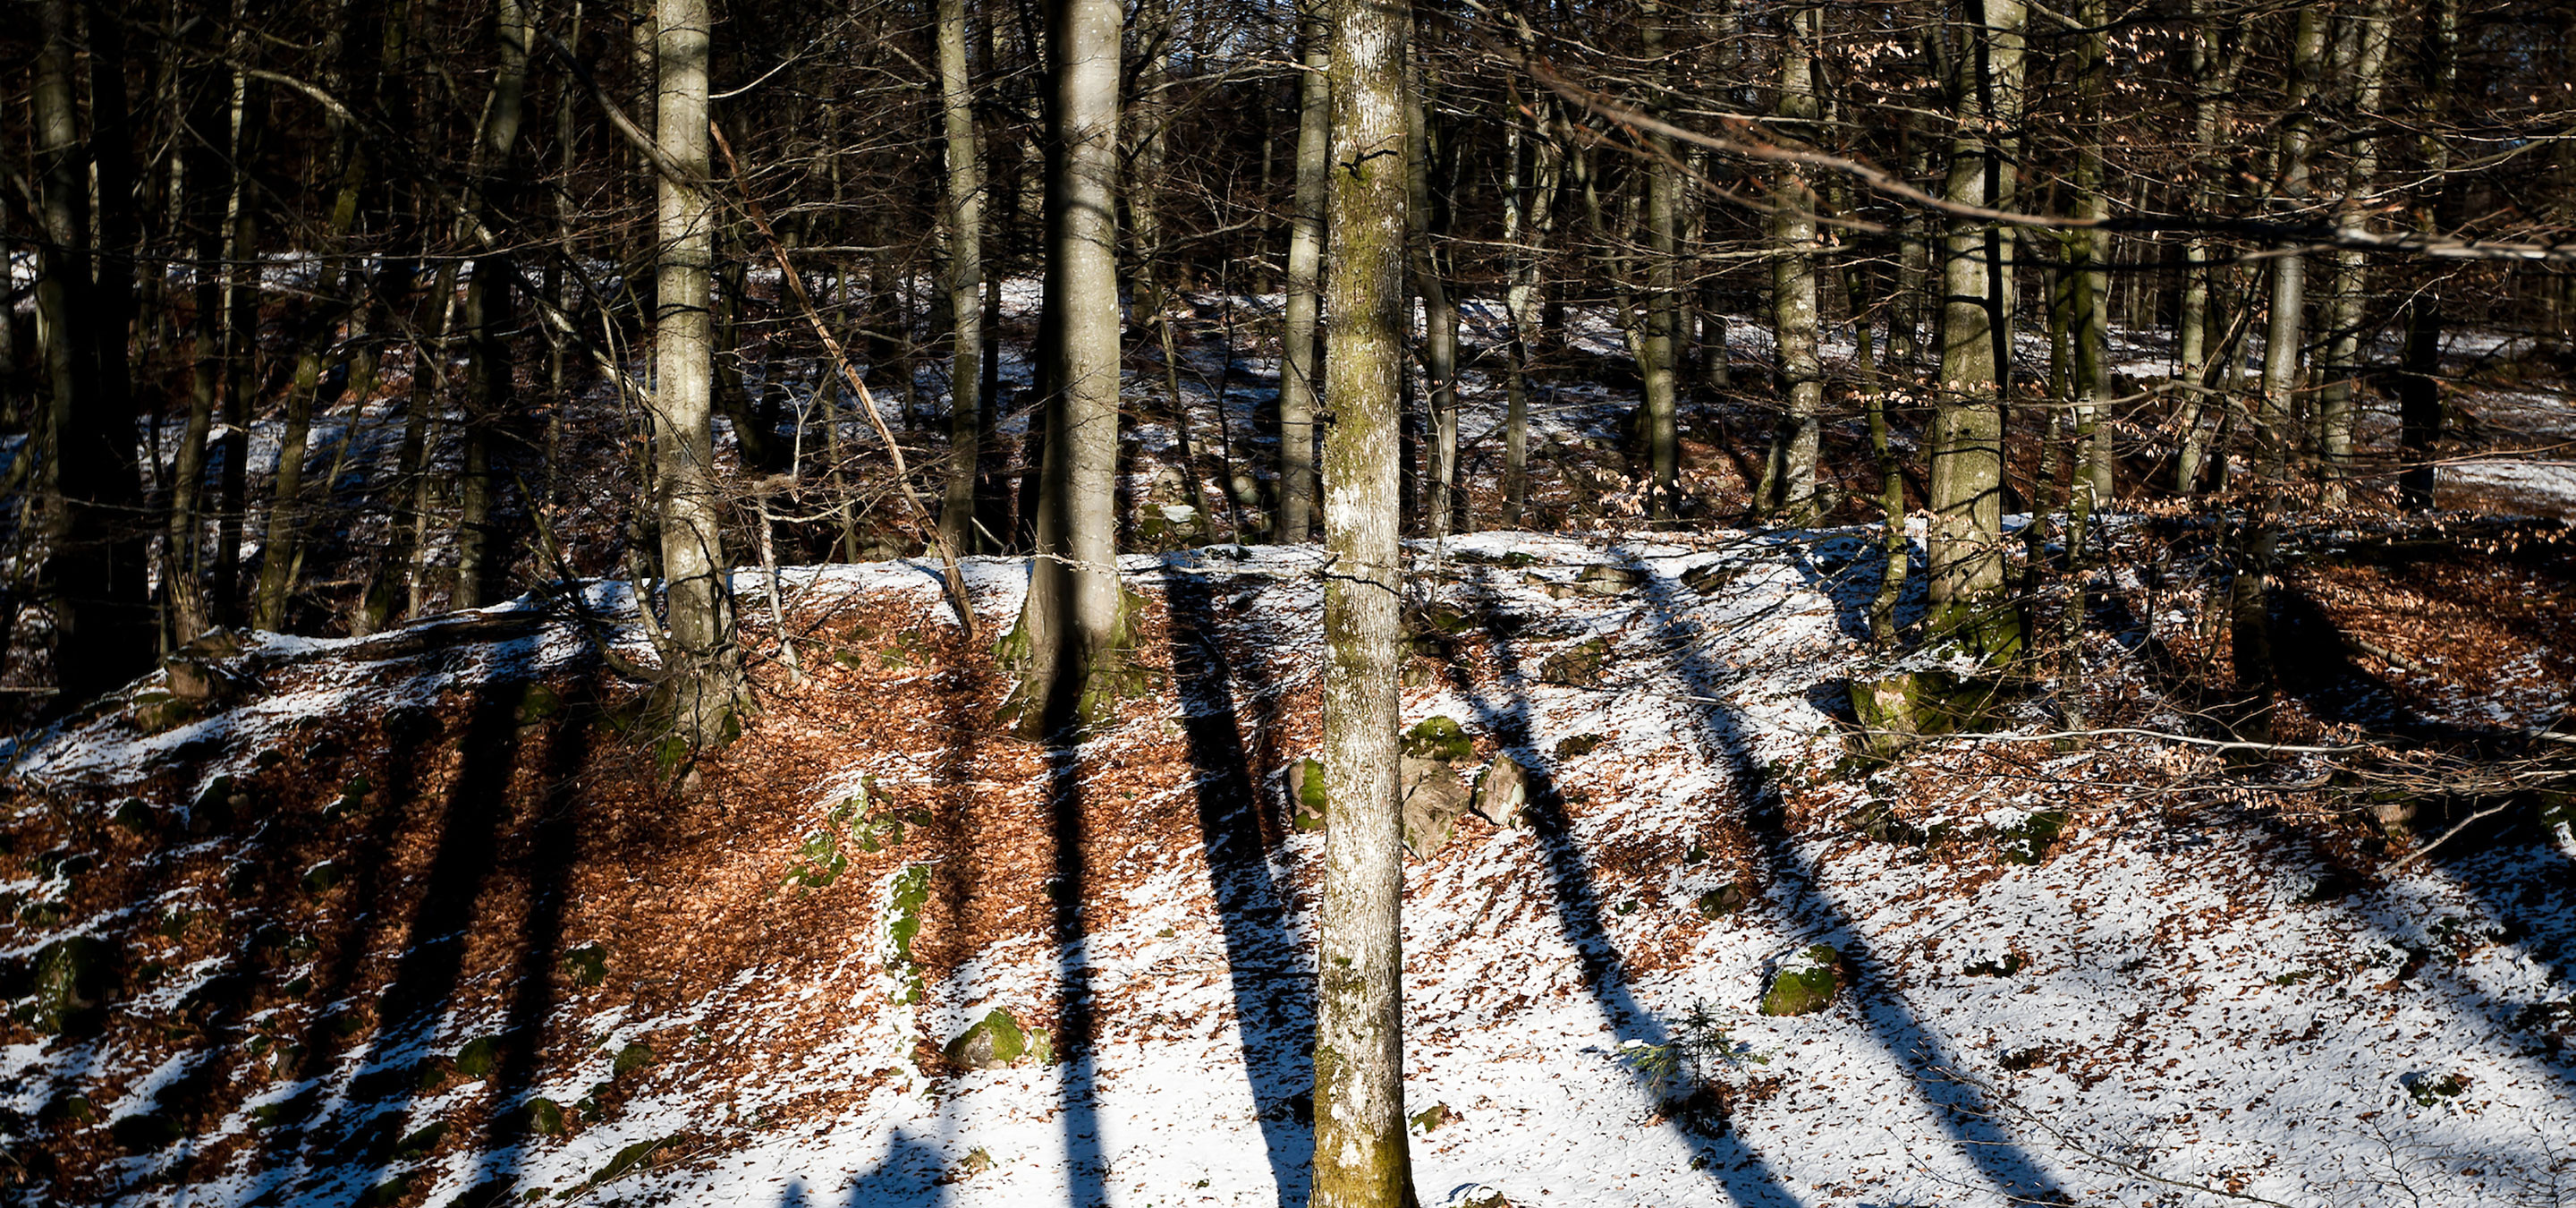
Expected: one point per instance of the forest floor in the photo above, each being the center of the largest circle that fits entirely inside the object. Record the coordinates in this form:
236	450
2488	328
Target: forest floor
428	917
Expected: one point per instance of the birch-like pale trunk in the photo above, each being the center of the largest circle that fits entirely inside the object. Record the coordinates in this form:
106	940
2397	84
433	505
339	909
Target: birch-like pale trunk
2286	330
1361	1157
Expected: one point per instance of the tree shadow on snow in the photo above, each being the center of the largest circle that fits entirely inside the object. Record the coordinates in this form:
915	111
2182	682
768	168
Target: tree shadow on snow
1737	1167
1274	993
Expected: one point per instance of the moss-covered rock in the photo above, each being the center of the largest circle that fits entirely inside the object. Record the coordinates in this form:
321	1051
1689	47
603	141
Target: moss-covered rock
994	1042
630	1059
1434	799
1577	666
1805	982
480	1058
1579	746
1306	799
545	1117
73	976
586	965
1439	737
1895	710
1609	579
1722	901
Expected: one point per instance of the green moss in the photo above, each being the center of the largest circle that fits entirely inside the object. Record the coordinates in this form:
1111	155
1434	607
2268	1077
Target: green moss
480	1057
630	1059
587	965
1439	738
625	1162
1311	800
995	1040
538	703
1577	666
545	1116
1804	984
421	1141
2031	840
320	878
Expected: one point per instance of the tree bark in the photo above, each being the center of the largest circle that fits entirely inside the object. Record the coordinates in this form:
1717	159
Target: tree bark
704	691
2362	64
1659	345
1361	1157
1967	570
1298	363
2285	332
965	285
1789	480
1075	624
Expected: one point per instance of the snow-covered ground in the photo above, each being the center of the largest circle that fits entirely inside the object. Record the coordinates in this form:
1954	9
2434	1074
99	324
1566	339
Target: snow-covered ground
2165	1006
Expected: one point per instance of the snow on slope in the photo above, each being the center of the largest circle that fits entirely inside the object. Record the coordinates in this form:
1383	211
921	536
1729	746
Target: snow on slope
2162	1009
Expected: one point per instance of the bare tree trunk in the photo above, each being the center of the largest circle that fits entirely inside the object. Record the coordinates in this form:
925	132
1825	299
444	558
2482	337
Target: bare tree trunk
1788	492
1297	380
1427	185
2089	283
1967	567
1525	227
2362	63
705	688
965	229
1076	624
2419	390
488	374
2286	331
1658	349
93	576
1361	1158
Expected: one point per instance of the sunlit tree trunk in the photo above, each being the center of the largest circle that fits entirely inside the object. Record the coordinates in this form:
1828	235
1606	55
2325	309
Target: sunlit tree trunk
2285	331
1297	380
1361	1159
1967	566
705	687
1075	623
2361	63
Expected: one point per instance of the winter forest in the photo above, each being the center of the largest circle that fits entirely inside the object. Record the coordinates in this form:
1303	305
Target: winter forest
1356	603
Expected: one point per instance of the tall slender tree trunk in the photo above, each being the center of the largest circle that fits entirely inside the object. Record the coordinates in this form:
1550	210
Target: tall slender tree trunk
2286	331
2362	64
2419	389
1658	363
2089	282
93	578
965	230
1427	187
489	374
1525	226
1075	625
1789	480
705	688
1966	575
1298	362
1361	1158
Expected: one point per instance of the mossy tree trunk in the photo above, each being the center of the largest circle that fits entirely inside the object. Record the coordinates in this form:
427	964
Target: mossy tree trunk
1966	576
1788	492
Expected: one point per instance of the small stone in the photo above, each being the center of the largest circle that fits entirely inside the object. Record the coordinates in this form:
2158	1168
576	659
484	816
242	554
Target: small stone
1306	794
630	1059
977	1162
1722	901
1576	666
993	1043
1579	746
1430	1119
1606	579
1478	1196
1805	982
1502	793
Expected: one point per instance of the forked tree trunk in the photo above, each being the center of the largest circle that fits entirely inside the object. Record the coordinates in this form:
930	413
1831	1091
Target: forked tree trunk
1361	1158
